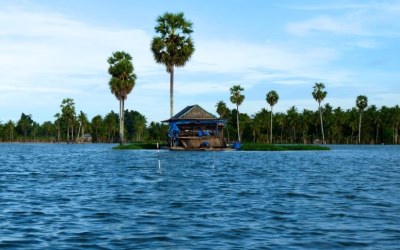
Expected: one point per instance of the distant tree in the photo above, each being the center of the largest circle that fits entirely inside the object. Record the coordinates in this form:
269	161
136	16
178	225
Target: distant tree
157	131
10	127
83	123
24	125
292	120
110	123
47	127
361	103
135	123
272	99
319	95
222	109
237	98
57	121
121	83
395	120
174	46
258	125
97	123
35	129
68	115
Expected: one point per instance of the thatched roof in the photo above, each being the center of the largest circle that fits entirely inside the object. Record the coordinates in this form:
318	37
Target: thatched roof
193	112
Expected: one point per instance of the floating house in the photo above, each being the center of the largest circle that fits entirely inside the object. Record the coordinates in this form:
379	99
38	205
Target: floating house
195	128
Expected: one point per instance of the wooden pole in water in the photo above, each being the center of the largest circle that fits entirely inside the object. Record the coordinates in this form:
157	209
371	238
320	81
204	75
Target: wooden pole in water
159	160
214	159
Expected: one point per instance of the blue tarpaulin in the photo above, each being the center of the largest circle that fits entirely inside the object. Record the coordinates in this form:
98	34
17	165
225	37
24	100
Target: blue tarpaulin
173	130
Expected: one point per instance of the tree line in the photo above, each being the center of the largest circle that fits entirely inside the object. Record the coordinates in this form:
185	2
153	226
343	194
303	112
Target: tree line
362	124
379	125
71	126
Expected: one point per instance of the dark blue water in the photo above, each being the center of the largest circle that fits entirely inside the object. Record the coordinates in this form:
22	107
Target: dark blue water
93	197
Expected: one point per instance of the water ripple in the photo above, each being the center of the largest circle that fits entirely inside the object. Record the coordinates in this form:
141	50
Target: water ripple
92	197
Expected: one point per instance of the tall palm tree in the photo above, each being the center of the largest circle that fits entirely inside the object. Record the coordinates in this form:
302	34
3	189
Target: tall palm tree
121	83
174	46
361	103
319	95
272	99
237	98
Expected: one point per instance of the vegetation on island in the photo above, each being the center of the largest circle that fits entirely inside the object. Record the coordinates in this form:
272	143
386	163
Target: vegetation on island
379	125
173	47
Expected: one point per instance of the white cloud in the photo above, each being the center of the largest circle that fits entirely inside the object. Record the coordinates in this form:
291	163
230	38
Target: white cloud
326	24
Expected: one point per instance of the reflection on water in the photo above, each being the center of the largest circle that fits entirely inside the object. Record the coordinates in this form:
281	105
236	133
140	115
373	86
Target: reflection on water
90	196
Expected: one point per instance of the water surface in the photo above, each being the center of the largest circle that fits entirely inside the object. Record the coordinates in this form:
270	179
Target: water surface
57	196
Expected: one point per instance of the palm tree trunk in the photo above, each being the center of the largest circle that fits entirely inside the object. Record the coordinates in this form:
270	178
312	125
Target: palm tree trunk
121	121
377	135
359	129
271	126
171	90
58	132
68	132
237	122
322	125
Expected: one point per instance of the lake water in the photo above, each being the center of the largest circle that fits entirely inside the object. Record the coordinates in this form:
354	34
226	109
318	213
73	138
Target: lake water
92	197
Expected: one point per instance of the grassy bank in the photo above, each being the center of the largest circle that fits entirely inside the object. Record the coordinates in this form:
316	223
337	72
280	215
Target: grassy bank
138	145
245	146
280	147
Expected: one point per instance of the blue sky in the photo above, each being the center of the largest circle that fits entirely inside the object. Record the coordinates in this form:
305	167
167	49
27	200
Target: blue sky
51	50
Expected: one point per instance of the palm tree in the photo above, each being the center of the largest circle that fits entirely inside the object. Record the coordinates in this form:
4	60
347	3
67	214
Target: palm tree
68	114
319	95
121	83
174	46
58	116
272	99
83	122
97	123
361	103
222	109
237	98
10	126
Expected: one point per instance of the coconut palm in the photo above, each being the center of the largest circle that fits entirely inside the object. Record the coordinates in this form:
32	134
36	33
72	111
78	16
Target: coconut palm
319	95
10	127
68	114
121	83
222	109
361	103
174	46
237	98
272	99
58	118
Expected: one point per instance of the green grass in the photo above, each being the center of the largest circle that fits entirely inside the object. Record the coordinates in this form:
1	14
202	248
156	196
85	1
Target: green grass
247	146
138	146
280	147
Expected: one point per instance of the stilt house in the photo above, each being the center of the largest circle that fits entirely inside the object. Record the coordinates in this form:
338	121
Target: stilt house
195	128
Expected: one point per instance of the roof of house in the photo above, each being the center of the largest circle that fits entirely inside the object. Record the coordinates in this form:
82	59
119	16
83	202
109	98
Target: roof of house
193	112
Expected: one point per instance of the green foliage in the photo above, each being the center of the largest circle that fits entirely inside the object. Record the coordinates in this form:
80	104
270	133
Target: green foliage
174	46
137	146
121	83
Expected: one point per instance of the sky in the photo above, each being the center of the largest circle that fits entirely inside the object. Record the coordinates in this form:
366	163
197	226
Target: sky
52	50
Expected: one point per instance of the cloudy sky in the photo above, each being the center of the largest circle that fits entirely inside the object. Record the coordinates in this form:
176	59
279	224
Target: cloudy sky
51	50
